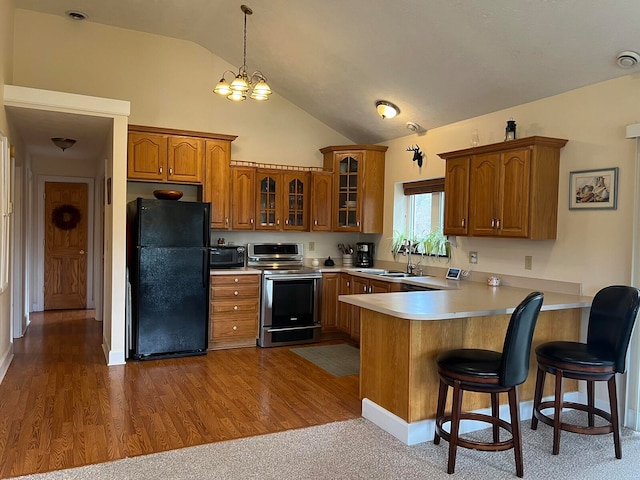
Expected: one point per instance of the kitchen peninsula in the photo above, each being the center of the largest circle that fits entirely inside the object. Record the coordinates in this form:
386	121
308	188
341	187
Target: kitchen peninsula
402	333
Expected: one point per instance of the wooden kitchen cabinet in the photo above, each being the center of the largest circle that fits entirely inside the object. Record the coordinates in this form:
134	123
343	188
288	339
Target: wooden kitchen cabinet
344	309
358	186
511	189
243	194
234	310
456	196
329	304
282	200
366	286
217	184
157	157
321	201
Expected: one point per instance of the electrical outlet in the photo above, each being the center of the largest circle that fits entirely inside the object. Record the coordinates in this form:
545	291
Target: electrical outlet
312	246
473	257
528	261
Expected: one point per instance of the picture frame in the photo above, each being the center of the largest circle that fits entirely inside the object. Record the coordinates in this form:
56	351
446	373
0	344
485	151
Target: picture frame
593	189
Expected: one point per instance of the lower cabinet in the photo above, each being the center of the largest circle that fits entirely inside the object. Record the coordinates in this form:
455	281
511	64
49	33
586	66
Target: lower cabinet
234	310
329	303
349	315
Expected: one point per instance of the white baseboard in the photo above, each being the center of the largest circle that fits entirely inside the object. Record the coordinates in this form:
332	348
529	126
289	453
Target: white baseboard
422	431
6	361
111	356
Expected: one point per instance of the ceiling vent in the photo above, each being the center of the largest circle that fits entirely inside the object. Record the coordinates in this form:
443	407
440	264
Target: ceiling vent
627	59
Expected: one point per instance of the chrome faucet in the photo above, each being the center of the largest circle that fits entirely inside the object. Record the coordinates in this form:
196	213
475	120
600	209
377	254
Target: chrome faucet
410	266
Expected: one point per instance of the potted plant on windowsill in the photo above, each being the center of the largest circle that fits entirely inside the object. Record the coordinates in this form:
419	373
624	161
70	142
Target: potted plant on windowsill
400	243
436	244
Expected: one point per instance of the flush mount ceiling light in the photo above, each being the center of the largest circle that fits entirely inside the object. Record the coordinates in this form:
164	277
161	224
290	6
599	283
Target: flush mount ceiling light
386	109
239	88
63	143
627	59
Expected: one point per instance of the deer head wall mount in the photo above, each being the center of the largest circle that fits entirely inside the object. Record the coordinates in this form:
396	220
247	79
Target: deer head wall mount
417	154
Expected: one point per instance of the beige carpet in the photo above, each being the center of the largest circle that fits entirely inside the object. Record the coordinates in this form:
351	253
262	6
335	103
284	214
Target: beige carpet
340	360
357	449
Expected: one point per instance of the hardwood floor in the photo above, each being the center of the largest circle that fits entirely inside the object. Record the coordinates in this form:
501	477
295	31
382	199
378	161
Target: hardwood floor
62	407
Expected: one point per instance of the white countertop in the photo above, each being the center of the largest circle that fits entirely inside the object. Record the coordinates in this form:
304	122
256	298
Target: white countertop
468	299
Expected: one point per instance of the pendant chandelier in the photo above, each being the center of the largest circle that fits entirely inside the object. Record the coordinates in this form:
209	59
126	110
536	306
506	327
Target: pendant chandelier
239	88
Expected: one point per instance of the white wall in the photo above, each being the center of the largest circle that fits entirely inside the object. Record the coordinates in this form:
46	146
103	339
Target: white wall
6	60
169	83
593	247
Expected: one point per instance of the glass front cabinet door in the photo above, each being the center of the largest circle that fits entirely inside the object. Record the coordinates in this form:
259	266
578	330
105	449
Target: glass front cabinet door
358	186
348	218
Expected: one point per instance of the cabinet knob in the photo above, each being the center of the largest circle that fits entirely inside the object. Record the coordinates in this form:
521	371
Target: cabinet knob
235	307
463	222
364	289
171	171
348	284
315	222
358	223
236	280
226	221
251	221
286	222
498	224
235	328
370	289
160	171
278	222
235	293
493	223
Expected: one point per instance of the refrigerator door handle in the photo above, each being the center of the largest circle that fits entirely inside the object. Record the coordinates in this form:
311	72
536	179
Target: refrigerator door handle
205	224
205	267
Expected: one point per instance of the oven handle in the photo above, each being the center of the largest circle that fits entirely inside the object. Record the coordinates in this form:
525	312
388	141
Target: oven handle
291	276
293	328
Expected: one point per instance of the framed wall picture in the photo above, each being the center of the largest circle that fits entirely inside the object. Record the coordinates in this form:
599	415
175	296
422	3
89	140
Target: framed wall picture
589	189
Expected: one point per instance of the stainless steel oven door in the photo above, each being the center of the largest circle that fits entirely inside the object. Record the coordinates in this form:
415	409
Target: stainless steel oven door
289	312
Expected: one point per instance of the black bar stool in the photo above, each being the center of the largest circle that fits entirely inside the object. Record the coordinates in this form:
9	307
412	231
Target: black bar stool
489	372
611	319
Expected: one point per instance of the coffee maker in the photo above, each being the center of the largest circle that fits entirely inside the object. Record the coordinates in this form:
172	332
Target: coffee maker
364	254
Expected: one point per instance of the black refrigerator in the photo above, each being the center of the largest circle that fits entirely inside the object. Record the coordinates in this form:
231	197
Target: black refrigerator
168	264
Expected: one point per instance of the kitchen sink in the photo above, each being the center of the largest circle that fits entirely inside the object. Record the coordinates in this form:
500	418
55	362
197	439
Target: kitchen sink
385	273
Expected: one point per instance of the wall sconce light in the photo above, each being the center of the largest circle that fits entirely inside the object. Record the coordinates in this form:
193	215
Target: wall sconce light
417	154
63	143
386	109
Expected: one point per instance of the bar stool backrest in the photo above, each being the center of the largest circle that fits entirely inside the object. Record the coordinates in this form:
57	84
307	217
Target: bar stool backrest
611	319
517	342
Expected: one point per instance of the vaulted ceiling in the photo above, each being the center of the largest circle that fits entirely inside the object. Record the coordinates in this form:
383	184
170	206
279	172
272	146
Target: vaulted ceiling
439	61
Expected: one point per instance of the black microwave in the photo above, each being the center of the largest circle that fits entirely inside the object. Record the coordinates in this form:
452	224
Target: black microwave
227	256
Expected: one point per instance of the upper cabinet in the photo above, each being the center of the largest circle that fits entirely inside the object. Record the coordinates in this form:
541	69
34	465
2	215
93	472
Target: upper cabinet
243	197
168	155
217	184
358	186
321	201
282	199
507	189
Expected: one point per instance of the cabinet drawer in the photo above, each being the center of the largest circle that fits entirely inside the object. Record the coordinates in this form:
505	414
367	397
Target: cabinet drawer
235	291
241	327
227	308
222	280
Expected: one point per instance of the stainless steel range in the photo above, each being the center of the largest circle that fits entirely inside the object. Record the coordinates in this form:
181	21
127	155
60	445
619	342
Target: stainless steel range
290	300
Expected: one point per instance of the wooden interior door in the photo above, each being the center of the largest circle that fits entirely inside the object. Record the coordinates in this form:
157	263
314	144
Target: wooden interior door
65	245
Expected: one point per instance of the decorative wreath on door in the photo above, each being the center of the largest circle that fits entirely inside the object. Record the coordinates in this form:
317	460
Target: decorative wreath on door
66	217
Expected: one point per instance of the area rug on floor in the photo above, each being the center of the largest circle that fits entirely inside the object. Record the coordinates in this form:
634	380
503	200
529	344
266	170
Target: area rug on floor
340	360
357	449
